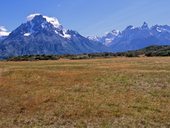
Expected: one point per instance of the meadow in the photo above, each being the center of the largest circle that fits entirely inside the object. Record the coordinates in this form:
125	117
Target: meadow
94	93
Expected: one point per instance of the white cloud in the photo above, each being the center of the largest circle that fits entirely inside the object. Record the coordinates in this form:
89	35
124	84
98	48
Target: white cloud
2	28
31	16
3	31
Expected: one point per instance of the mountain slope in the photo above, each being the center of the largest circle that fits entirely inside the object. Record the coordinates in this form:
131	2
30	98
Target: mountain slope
155	50
45	35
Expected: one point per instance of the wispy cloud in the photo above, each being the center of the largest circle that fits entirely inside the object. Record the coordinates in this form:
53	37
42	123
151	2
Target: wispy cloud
3	31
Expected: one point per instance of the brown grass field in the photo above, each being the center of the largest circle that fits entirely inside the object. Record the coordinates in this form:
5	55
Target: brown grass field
97	93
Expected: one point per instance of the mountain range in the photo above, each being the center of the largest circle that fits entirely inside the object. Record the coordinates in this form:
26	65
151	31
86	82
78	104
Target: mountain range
45	35
133	38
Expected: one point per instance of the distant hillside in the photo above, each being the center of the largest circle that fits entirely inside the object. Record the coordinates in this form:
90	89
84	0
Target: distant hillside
163	50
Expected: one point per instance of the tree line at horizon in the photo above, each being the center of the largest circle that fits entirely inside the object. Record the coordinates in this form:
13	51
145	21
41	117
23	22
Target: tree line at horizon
150	51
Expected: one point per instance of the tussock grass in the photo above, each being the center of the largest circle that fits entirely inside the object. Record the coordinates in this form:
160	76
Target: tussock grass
115	92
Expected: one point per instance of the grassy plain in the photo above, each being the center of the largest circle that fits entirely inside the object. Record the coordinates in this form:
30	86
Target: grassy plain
100	93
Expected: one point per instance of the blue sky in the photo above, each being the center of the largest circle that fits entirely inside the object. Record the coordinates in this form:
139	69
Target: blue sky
88	17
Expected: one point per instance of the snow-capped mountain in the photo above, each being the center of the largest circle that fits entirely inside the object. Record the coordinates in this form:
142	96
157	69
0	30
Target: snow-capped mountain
106	39
45	22
109	37
132	38
45	35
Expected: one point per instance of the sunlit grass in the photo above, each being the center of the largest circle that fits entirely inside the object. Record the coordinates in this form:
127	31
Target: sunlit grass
117	92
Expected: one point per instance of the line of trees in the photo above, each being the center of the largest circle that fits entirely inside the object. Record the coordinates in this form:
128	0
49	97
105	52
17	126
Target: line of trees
148	51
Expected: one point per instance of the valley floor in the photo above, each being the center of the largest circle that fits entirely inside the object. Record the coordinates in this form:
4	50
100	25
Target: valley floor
100	93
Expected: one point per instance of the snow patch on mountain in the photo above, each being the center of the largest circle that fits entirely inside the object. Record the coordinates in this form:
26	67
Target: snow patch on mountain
94	38
58	28
54	21
27	34
64	34
107	39
158	29
113	32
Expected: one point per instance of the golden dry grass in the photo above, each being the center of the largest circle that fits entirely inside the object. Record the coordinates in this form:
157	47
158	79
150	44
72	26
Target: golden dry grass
103	93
